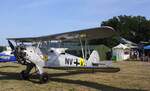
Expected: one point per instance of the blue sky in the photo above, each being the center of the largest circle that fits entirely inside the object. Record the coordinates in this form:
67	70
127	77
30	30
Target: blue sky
23	18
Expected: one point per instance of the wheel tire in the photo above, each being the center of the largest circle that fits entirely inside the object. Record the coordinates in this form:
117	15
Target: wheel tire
44	78
24	75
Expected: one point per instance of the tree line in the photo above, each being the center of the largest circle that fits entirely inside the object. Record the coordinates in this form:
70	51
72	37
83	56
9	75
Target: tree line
133	28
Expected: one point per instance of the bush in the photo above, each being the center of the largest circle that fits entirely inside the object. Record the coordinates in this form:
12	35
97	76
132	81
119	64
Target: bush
2	48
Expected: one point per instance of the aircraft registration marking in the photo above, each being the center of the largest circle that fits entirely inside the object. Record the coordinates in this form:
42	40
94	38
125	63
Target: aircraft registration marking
71	61
68	61
82	62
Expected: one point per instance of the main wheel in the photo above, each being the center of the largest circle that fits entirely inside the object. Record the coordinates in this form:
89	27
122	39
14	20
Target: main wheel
44	78
24	75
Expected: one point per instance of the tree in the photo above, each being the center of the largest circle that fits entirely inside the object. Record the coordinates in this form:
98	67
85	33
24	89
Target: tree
2	48
133	28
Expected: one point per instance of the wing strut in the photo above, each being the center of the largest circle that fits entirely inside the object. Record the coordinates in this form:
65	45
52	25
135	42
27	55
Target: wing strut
82	49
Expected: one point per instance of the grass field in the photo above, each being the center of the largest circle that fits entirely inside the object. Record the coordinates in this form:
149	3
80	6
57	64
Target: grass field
133	76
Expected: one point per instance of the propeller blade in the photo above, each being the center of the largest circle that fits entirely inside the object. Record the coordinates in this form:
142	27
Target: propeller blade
11	45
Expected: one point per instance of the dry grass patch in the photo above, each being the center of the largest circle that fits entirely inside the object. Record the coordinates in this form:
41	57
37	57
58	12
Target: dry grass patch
133	76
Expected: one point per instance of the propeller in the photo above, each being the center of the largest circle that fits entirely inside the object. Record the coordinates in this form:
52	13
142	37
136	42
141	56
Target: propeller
17	53
11	45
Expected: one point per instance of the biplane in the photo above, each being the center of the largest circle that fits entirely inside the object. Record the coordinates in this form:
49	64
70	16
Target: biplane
38	52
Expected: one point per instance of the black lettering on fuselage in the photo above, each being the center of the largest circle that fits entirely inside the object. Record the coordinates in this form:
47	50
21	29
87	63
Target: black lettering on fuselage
76	62
68	61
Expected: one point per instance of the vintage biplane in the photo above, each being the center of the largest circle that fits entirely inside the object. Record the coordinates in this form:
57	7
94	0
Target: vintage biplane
38	52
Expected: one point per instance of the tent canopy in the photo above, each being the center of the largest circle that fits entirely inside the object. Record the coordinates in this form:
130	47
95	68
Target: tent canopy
120	46
147	47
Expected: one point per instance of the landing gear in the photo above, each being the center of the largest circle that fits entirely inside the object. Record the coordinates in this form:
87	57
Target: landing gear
24	75
44	78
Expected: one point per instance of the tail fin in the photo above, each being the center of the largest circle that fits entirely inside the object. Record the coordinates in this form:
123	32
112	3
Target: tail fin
94	57
94	60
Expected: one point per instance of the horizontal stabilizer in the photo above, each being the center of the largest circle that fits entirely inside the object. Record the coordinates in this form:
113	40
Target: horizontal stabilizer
103	64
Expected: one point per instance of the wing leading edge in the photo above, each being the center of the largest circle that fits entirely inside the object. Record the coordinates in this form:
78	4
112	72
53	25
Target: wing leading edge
92	33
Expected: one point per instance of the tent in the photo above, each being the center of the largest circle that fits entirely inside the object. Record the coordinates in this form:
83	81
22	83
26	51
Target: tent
6	56
121	52
147	47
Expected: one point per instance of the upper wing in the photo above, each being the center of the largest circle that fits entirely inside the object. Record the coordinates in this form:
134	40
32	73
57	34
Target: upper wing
89	34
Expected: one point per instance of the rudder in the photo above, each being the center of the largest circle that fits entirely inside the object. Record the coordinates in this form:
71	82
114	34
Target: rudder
94	57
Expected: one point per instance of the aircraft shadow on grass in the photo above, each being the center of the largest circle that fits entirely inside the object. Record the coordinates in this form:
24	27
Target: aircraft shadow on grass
9	67
54	78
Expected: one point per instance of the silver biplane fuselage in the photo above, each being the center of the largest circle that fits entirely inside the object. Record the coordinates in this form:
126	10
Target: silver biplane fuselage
57	57
35	56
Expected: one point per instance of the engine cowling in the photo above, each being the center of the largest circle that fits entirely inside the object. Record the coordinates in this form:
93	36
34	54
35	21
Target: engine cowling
20	54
